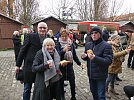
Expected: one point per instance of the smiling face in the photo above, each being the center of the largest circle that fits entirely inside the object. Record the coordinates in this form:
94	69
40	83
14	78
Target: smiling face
42	28
49	45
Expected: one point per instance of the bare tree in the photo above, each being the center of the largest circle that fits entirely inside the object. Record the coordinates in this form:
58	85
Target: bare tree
26	11
83	9
3	10
92	9
114	8
6	7
63	9
100	9
10	7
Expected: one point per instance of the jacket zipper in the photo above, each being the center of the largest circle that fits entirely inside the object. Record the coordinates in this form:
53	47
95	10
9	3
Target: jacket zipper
90	62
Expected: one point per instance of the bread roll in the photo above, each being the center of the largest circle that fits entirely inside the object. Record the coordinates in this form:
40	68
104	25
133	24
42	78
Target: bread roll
64	62
89	52
128	47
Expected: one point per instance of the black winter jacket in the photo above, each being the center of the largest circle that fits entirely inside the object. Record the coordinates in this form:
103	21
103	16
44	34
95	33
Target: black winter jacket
27	52
68	71
98	67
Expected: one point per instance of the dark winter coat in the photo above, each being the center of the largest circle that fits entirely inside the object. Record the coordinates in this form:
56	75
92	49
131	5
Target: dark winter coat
88	38
105	35
27	52
17	45
41	92
98	67
67	71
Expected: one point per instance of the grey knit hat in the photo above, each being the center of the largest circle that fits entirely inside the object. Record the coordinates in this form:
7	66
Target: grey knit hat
114	36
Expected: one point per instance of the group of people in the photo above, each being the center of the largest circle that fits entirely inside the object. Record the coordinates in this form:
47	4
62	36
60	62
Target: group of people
49	62
104	66
41	55
18	40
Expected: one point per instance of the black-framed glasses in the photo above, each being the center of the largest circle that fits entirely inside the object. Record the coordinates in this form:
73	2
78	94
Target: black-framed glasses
94	32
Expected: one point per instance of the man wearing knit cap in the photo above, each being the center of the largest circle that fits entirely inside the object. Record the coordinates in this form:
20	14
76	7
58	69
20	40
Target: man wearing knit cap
97	62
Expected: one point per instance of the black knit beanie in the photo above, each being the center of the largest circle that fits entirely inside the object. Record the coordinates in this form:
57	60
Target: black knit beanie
96	28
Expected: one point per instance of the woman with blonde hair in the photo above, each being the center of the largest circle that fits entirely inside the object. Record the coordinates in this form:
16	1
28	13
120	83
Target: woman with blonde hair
16	43
51	34
48	74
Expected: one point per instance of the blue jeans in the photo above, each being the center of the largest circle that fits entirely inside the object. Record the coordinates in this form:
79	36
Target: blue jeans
97	88
27	91
110	79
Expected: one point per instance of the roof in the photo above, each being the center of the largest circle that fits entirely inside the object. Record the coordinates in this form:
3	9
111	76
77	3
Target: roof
11	18
98	22
124	17
122	23
48	18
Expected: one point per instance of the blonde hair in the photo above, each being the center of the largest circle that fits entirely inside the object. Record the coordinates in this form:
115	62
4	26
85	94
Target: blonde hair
16	33
64	31
48	41
50	32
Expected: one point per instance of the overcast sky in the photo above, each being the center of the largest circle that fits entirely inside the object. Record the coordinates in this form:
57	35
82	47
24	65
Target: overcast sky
126	5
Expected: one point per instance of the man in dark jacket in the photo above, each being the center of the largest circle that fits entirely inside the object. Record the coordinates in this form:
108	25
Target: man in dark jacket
33	43
105	34
97	62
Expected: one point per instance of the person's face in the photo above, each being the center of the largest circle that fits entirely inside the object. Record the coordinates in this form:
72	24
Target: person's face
49	47
117	40
64	37
42	29
129	34
18	34
95	35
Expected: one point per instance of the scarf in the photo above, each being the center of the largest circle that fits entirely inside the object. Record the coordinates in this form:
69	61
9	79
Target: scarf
68	55
119	48
64	43
51	74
